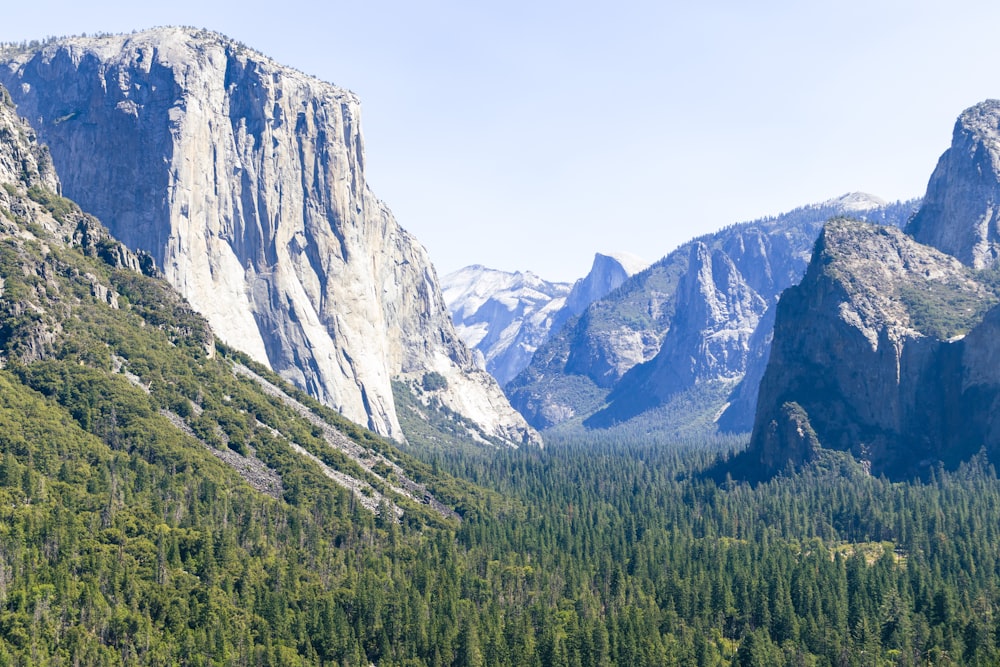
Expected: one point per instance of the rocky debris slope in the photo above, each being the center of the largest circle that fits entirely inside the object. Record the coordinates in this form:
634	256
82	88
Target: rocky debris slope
253	471
245	180
374	463
885	349
679	337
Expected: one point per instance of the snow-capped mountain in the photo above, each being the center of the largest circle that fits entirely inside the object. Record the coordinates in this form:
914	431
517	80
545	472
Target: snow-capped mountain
505	316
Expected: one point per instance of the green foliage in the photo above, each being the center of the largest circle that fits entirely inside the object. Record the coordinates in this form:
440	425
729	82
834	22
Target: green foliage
125	540
690	412
944	310
434	381
59	207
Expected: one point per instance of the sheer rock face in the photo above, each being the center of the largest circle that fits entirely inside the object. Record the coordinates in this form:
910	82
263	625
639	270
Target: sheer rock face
607	274
245	181
716	314
960	214
888	347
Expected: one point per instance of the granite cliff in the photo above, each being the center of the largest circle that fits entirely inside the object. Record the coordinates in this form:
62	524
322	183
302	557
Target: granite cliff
716	313
960	214
121	359
885	349
245	181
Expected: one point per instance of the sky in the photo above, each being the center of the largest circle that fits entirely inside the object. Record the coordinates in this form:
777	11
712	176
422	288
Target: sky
528	135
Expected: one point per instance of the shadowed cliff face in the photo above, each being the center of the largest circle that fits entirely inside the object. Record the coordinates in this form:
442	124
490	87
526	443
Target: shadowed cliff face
245	180
889	344
886	347
708	340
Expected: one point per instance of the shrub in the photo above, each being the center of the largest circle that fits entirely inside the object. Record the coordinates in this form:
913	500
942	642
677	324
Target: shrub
434	381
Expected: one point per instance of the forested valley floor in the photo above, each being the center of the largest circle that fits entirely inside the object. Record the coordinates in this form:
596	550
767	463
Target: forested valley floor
584	553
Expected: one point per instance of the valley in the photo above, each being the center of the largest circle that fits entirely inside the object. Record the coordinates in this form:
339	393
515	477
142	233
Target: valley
239	424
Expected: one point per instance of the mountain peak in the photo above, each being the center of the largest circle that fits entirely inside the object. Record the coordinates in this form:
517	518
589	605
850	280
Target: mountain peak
876	348
856	202
607	272
632	264
983	119
959	214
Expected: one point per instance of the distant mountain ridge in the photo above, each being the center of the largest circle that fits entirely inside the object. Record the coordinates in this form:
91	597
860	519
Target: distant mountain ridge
503	316
245	180
673	344
506	316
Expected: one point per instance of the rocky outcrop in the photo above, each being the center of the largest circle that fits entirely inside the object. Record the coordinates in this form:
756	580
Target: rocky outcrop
245	181
960	214
21	158
887	347
787	437
607	273
698	313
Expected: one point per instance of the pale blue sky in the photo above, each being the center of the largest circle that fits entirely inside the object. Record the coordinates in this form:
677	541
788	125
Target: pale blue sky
528	135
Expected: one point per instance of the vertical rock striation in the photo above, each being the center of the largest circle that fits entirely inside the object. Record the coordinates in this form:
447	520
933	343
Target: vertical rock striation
245	180
708	341
960	214
888	347
689	336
